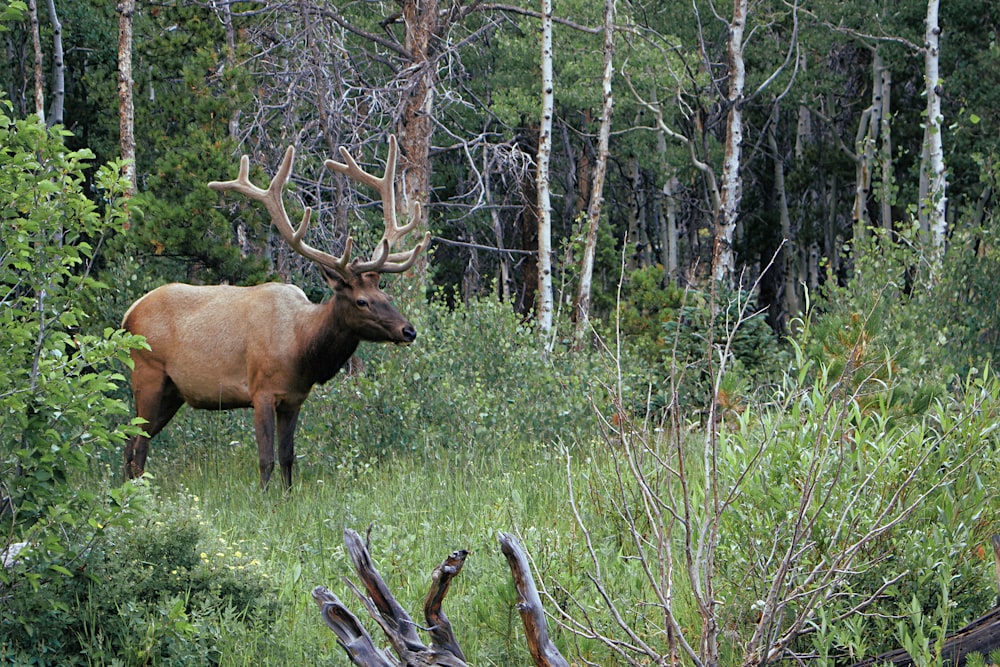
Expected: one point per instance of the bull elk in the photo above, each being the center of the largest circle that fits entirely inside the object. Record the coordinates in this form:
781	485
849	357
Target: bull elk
264	347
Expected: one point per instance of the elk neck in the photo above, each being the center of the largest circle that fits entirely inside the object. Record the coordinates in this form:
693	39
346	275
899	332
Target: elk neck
327	343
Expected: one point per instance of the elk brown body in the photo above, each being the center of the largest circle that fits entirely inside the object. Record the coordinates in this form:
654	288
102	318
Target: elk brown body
263	347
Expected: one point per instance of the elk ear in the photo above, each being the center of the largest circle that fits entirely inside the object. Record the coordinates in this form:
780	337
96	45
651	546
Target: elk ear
334	279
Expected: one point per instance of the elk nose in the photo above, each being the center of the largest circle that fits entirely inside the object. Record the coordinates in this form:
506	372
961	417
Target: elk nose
409	333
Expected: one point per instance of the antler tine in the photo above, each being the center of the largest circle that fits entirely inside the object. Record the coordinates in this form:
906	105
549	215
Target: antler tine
383	260
273	202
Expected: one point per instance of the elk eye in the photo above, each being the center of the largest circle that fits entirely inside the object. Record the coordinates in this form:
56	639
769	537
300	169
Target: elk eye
362	303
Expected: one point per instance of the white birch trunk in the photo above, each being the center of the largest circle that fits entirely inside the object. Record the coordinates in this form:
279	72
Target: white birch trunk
126	109
600	169
934	167
724	261
545	295
672	242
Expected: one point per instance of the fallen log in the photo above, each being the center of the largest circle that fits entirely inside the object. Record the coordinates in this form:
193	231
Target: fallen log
401	631
980	636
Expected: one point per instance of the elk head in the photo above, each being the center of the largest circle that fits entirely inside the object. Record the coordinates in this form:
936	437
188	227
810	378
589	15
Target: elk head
221	347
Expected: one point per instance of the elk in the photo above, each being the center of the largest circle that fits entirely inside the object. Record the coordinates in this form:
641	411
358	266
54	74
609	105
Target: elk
221	347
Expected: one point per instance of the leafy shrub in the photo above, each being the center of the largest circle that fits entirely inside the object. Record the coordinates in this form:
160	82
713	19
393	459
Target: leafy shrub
56	382
925	323
666	334
477	377
159	589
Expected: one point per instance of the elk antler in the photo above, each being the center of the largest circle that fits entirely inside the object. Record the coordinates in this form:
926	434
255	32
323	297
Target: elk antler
383	260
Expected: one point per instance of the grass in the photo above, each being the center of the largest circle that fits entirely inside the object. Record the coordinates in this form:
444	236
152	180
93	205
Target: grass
418	506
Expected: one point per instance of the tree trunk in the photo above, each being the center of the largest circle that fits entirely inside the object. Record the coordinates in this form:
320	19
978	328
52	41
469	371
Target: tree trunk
934	166
634	215
126	112
226	16
415	125
723	259
790	296
885	153
58	69
36	40
503	259
545	295
600	169
671	241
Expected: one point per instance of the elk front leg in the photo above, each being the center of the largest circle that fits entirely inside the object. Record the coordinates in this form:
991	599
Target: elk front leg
263	422
287	418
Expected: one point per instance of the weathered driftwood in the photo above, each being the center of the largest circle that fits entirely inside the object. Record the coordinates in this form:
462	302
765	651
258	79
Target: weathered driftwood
543	651
400	629
981	636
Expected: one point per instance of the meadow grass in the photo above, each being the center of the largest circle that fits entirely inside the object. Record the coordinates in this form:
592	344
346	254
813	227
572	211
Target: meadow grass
417	507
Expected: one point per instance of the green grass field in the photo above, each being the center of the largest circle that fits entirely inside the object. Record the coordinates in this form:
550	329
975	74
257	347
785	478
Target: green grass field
417	507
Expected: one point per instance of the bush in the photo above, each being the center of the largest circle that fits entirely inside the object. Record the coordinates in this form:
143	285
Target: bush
159	589
666	333
56	382
478	377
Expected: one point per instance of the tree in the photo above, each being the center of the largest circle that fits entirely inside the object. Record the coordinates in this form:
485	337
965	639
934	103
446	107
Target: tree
932	171
545	298
57	383
36	42
600	169
126	110
731	191
58	68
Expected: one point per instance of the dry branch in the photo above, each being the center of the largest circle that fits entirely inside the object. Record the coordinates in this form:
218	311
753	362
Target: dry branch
981	636
399	628
529	604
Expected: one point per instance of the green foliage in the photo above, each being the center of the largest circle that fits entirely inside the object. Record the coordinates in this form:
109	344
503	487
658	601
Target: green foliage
477	377
666	331
159	589
56	403
934	322
12	11
179	228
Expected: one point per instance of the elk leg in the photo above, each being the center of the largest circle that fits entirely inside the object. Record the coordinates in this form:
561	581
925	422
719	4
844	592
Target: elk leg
263	421
157	401
287	418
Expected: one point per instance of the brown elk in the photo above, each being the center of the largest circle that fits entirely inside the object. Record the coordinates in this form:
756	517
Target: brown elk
264	347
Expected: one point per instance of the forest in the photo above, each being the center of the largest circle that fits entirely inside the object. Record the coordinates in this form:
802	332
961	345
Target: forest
705	312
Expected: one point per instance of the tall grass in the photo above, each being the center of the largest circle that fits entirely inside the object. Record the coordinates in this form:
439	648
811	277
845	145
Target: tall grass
416	508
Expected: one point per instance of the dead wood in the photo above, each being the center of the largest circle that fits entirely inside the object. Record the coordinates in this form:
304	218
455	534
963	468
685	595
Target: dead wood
980	636
401	631
529	604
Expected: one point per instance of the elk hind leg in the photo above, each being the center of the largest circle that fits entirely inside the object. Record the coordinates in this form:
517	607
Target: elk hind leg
156	401
263	422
